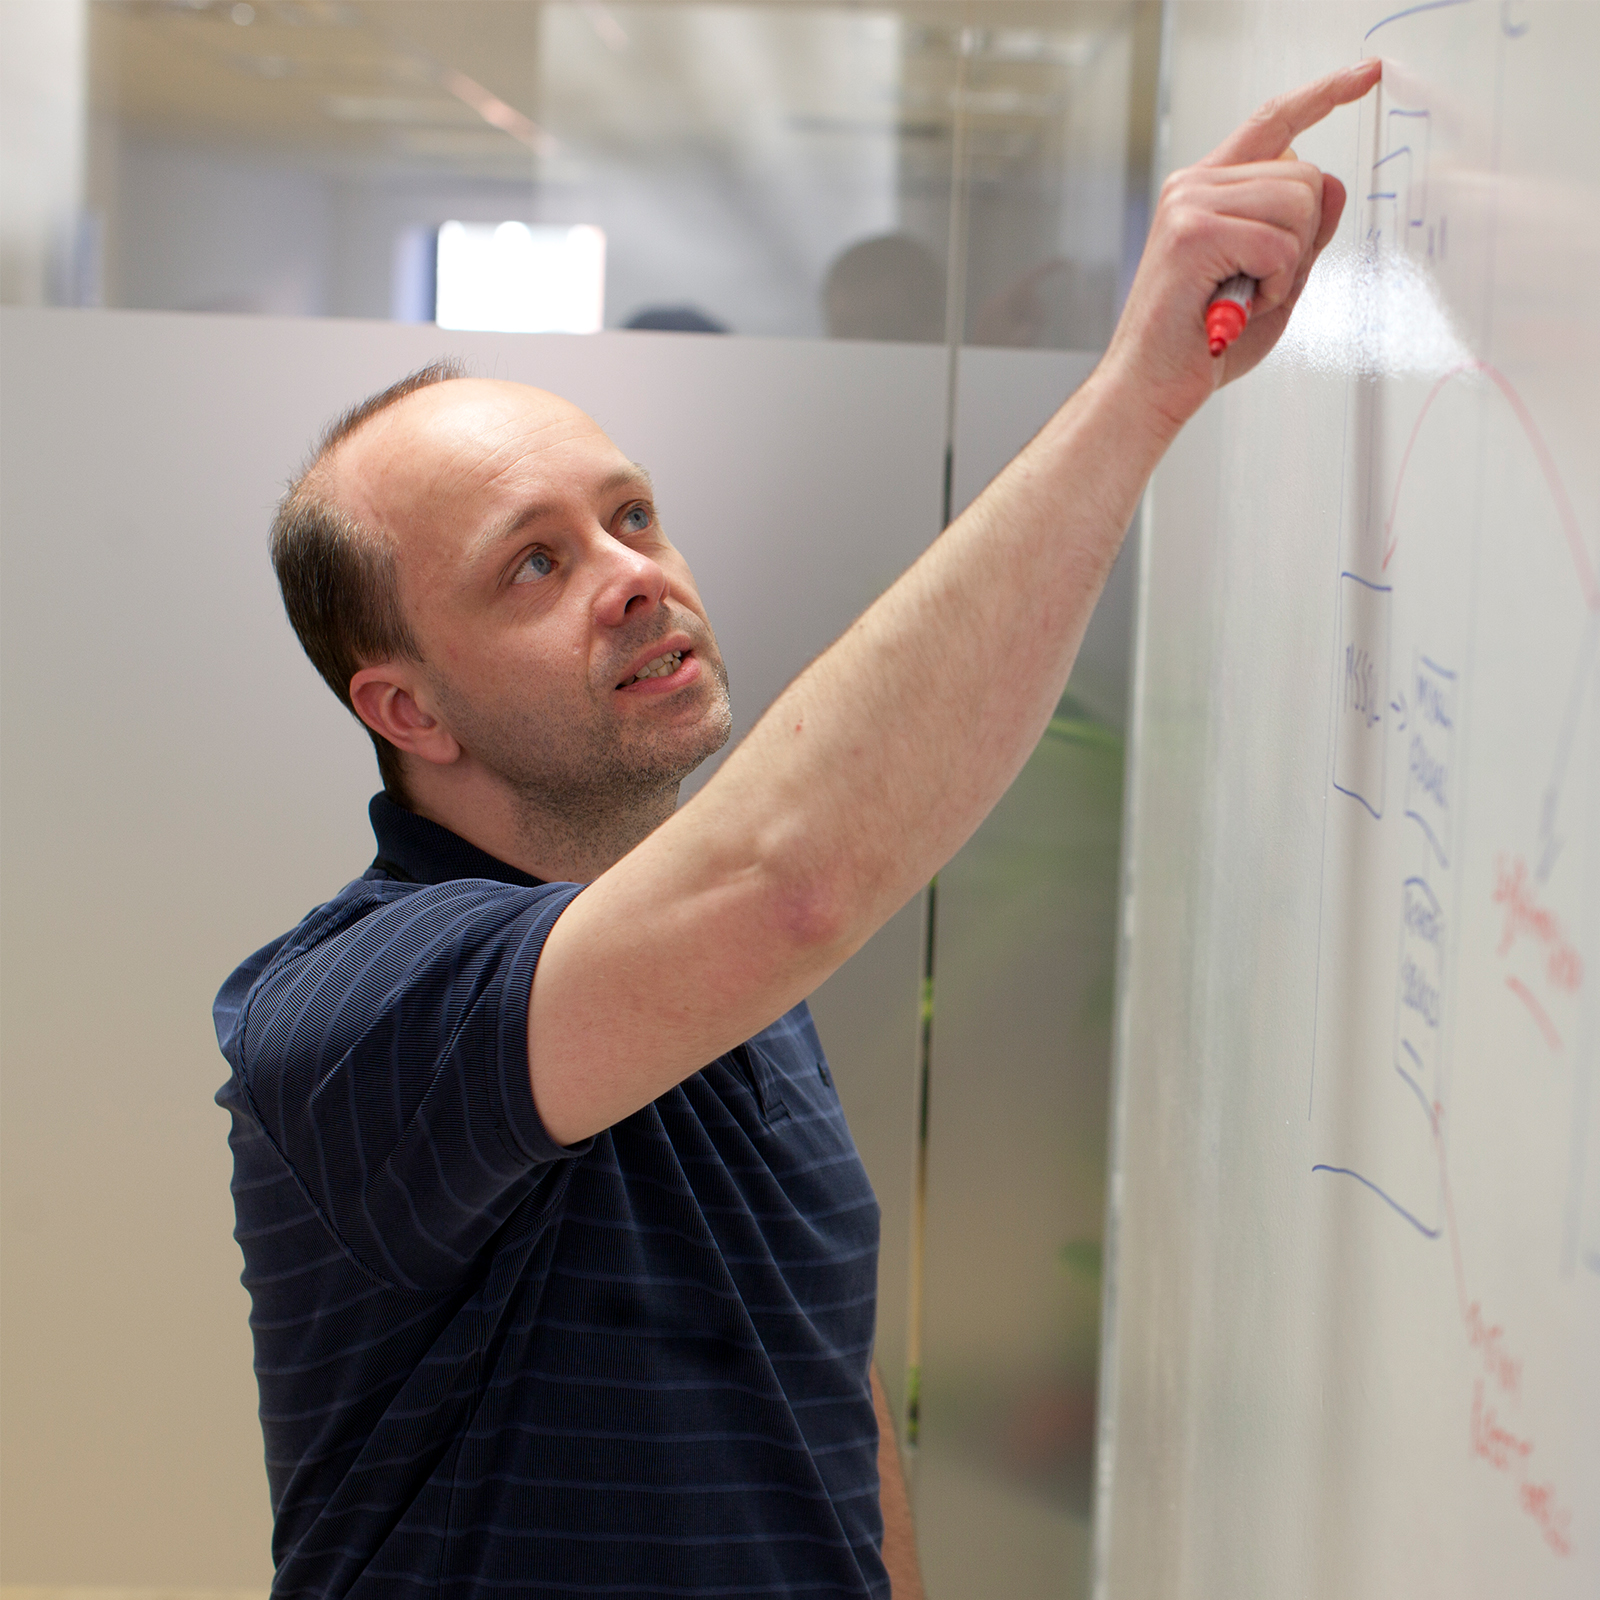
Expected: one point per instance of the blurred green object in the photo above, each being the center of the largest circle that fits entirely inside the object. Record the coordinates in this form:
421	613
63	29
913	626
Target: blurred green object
1082	1258
1077	726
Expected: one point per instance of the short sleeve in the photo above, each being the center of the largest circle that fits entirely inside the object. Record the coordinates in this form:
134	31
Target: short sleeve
383	1049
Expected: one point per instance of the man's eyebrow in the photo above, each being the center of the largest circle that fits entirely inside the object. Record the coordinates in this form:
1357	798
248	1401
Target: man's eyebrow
632	476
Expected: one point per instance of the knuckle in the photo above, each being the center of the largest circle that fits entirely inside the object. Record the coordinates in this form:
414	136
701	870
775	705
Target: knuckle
1189	224
1176	185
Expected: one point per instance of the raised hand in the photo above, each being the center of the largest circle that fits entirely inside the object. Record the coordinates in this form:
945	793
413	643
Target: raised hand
1252	207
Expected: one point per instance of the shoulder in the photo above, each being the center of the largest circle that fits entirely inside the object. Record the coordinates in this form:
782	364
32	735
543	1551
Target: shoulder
378	935
354	901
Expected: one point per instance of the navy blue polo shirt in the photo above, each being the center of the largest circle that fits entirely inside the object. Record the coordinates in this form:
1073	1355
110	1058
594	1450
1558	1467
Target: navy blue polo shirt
491	1365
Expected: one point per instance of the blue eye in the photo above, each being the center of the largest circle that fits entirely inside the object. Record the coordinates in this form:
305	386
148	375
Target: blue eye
538	565
637	519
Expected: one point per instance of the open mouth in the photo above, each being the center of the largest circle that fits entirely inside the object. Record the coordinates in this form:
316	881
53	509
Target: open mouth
661	667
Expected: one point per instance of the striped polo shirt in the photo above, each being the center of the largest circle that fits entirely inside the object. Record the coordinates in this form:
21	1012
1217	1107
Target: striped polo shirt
491	1365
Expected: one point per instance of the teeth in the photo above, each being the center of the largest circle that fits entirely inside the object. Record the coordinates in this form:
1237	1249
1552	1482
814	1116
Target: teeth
661	667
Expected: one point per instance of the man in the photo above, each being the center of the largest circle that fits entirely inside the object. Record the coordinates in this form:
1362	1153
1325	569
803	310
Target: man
543	1304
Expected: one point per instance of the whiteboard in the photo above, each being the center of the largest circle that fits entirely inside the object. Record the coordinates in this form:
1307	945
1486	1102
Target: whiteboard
1353	1340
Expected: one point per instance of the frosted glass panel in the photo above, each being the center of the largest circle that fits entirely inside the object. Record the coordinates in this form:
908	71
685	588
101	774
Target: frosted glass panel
1019	1084
1022	1010
299	161
765	168
1053	169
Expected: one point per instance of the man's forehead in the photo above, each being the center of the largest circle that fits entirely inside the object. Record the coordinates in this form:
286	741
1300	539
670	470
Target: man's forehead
471	416
469	403
453	441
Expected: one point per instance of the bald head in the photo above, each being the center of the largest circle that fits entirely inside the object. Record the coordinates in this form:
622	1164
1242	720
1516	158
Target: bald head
439	446
480	554
448	472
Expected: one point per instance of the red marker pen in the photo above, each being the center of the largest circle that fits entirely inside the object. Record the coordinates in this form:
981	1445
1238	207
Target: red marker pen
1228	310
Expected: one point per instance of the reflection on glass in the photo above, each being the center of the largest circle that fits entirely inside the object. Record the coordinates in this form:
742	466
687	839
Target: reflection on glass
1047	187
890	286
730	152
759	168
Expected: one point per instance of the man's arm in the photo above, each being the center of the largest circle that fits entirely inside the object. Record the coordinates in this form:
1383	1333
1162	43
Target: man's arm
877	763
899	1530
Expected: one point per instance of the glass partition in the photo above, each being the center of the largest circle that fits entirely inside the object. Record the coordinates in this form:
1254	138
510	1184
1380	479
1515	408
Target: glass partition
772	169
301	158
1016	1181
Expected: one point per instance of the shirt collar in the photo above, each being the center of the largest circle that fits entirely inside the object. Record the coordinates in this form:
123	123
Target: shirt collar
415	850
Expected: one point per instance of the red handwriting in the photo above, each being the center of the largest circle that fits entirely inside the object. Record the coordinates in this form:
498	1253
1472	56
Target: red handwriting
1588	581
1488	1438
1536	1011
1503	1367
1555	1522
1524	917
1495	1444
1504	1451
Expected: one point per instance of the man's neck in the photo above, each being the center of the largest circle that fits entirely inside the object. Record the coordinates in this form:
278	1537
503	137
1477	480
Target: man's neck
567	844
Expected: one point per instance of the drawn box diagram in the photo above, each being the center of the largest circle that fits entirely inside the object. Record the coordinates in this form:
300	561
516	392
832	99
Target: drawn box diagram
1420	991
1399	192
1363	690
1430	753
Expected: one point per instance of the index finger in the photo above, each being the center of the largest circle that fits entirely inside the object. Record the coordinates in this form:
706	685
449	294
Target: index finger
1267	134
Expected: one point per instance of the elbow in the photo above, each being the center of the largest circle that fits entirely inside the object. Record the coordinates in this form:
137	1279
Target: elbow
813	914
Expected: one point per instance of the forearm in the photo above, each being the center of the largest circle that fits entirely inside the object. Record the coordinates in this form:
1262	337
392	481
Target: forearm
881	759
863	778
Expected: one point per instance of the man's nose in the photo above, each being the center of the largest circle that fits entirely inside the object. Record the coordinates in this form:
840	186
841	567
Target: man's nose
633	585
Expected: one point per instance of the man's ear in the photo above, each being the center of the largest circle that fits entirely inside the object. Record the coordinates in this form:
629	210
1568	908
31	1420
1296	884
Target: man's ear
386	699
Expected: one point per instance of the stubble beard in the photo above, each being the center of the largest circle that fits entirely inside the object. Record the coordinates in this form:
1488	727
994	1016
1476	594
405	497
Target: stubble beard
582	783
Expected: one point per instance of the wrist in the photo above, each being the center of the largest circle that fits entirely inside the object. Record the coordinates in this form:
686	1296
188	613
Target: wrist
1132	399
